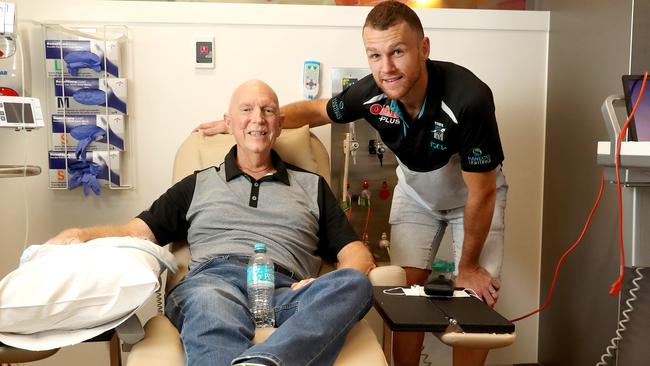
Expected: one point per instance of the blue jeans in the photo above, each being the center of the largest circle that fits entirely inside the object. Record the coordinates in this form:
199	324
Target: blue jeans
209	308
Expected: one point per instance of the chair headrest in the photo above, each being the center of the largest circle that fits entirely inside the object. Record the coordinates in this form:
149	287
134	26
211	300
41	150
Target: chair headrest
199	151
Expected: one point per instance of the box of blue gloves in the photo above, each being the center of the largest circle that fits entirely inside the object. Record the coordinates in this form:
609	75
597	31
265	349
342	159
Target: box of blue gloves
83	58
89	170
94	132
90	96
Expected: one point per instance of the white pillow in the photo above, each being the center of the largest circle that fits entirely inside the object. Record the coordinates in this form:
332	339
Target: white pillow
65	294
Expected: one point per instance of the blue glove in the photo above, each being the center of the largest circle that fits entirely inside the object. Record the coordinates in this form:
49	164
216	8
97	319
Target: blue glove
90	96
86	134
82	59
84	173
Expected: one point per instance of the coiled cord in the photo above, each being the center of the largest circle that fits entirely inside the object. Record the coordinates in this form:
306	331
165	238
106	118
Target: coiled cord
626	318
424	358
160	302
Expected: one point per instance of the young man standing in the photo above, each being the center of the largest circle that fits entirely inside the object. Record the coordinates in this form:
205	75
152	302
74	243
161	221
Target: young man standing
438	118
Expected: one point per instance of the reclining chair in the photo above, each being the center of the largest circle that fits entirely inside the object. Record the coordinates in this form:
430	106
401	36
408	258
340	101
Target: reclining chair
161	345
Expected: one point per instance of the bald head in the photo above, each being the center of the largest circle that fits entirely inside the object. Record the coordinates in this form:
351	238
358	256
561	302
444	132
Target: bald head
254	119
252	88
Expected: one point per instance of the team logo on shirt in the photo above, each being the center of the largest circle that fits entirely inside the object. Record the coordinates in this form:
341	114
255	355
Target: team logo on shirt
477	157
438	131
385	113
438	134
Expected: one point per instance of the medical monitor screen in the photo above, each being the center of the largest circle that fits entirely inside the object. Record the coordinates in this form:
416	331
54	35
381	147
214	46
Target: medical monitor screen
640	125
16	111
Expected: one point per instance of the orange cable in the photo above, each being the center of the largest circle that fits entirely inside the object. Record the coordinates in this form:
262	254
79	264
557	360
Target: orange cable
616	286
575	245
365	229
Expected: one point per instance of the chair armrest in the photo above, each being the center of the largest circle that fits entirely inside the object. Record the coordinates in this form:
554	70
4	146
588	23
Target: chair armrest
130	332
161	345
10	354
181	251
477	340
388	276
384	276
361	348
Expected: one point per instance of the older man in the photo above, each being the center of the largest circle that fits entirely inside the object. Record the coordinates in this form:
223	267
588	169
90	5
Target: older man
253	196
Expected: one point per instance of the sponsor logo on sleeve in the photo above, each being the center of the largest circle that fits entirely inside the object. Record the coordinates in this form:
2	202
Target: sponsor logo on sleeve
337	107
478	158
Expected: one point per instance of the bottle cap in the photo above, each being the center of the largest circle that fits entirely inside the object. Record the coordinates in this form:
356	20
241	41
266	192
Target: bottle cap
260	247
441	266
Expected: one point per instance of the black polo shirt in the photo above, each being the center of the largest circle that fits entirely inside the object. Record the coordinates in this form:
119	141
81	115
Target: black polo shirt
457	118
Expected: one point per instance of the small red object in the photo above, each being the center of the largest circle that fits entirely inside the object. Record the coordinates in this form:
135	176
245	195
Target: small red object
8	92
384	193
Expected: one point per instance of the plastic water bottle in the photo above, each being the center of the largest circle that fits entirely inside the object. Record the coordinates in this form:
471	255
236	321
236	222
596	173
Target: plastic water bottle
260	281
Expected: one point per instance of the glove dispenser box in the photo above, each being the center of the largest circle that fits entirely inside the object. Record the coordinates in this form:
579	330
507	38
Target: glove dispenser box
111	128
87	79
82	58
62	167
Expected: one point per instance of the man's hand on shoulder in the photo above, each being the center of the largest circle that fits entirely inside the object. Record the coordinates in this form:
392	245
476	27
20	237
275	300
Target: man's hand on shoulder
212	128
68	236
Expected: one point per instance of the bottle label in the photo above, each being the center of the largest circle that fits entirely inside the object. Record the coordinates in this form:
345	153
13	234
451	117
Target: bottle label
260	275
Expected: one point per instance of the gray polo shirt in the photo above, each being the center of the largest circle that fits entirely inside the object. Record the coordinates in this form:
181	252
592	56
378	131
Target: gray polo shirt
223	211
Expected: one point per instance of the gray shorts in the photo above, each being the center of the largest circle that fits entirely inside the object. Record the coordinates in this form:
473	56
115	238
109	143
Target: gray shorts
416	233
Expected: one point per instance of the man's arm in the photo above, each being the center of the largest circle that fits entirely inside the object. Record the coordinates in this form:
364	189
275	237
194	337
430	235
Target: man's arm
355	255
312	112
298	114
135	228
479	209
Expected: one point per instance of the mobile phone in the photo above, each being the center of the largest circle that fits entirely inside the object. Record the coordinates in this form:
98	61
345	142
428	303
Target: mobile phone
440	287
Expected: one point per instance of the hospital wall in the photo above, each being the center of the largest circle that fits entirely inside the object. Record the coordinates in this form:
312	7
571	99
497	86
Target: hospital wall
168	97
